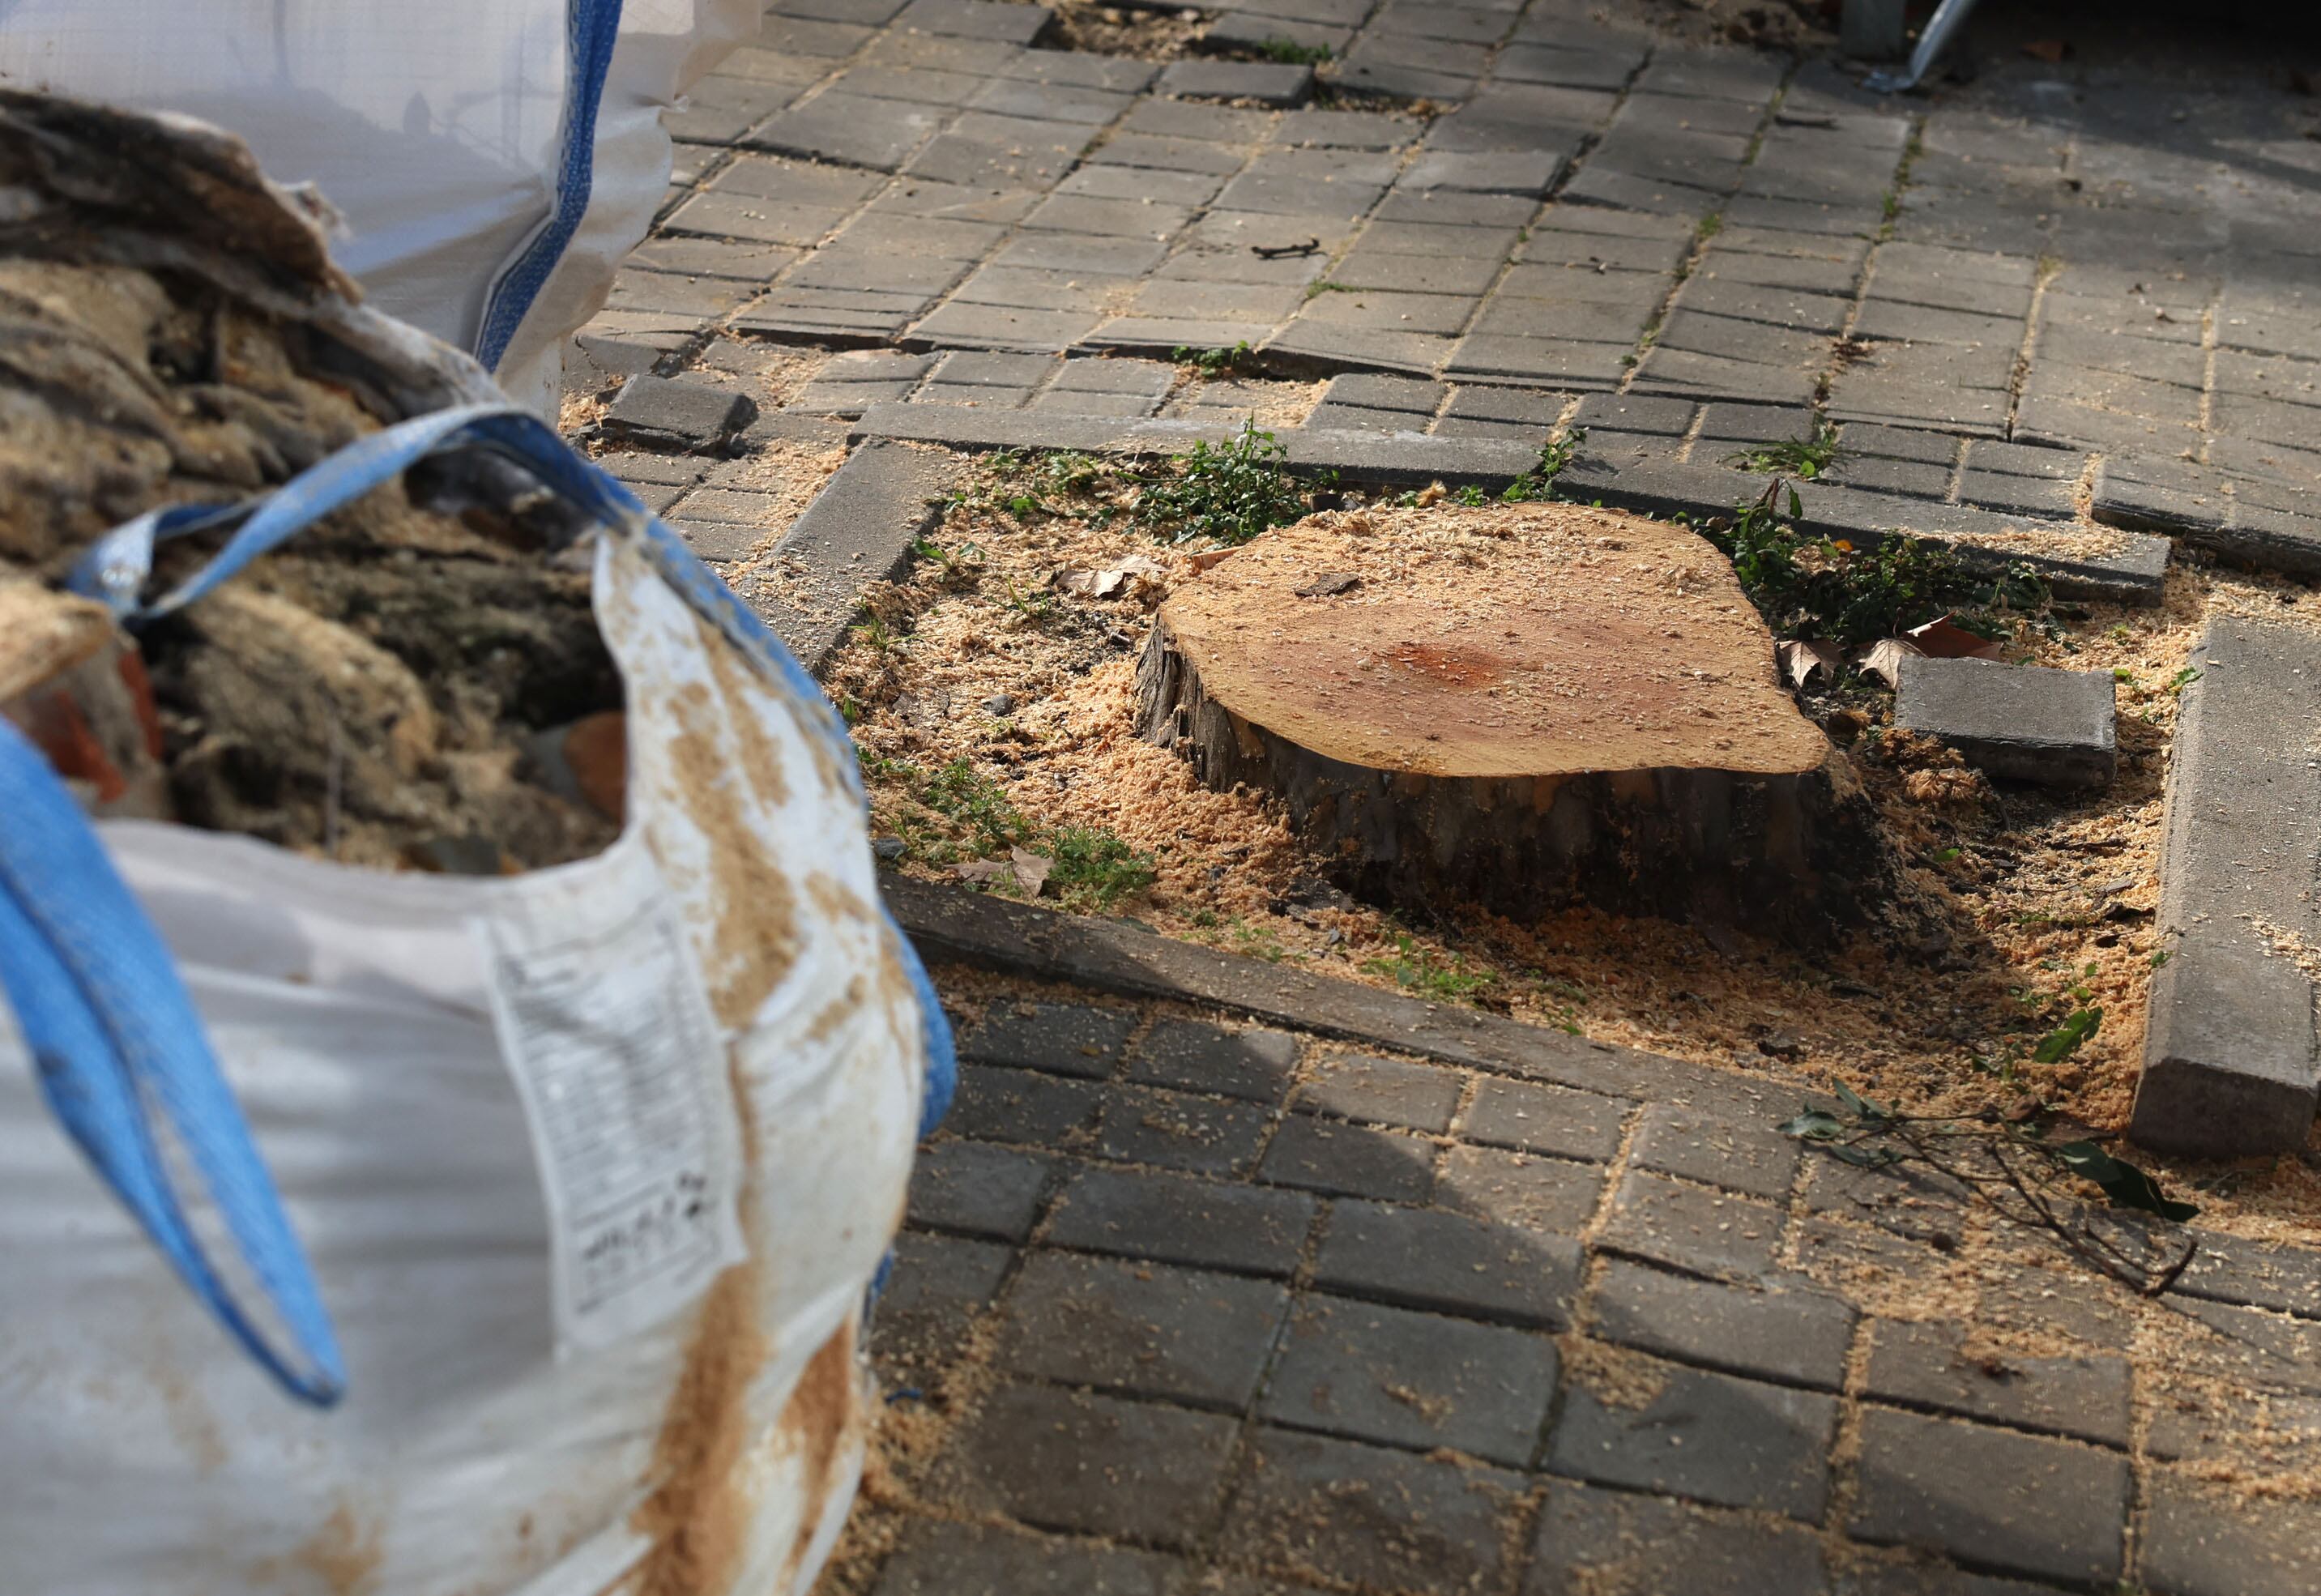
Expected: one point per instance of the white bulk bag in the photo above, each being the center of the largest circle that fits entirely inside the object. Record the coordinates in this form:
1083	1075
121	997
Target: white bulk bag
494	160
594	1167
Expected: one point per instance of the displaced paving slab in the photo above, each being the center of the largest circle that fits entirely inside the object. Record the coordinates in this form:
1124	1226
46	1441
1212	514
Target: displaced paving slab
676	412
2229	1065
860	531
2021	723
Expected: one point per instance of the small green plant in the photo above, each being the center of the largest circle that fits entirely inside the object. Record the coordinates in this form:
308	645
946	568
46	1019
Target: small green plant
1095	870
1421	970
1213	362
1538	484
1829	590
875	634
1472	494
2067	1038
2181	680
1315	289
1805	458
1711	227
967	798
1228	493
1290	53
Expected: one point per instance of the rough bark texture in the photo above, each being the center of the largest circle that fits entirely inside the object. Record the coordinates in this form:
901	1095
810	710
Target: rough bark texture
1785	845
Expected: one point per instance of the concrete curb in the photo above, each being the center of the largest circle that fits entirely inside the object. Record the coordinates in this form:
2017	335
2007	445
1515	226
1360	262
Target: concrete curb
2230	1065
950	925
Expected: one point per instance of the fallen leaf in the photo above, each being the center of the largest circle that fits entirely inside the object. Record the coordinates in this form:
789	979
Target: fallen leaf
1329	584
1110	582
1942	639
1209	557
2049	50
982	870
1030	869
1800	660
1885	659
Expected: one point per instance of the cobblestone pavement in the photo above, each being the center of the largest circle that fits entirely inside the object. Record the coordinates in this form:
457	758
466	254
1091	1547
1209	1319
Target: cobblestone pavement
1689	249
1187	1304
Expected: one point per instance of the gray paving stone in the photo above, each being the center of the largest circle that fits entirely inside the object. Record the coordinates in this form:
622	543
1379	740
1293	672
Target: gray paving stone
1245	30
1534	1117
2229	1052
1370	1373
2200	1541
1002	1105
705	298
1705	1436
1590	1540
800	36
1372	1516
1344	129
977	1190
1348	1160
1263	83
1921	1204
1179	1219
1142	1329
1707	1145
1635	413
924	1317
1925	1365
1094	1465
1543	62
1449	1263
718	542
1520	1189
858	529
1142	378
2233	1268
1791	1331
852	130
1382	1091
1375	391
975	19
1691	1227
678	413
2023	722
2053	1509
1141	184
1180	1130
1198	1056
714	257
943	1559
1874	474
1352	418
1063	1038
1523	406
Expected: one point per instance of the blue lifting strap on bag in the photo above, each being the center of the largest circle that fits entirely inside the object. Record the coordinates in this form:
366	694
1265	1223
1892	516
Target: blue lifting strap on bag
121	1056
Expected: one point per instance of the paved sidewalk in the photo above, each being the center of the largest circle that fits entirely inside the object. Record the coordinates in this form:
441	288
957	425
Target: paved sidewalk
1192	1301
1993	297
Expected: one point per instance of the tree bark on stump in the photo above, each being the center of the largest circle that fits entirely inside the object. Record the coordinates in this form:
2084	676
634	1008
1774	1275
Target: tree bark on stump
1523	709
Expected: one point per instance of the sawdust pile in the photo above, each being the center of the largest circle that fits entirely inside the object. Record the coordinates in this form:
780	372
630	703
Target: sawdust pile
397	688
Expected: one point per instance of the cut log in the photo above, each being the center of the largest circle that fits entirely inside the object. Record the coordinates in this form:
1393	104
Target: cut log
1520	708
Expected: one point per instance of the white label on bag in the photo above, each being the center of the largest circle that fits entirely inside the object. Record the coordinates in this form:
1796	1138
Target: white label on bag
622	1071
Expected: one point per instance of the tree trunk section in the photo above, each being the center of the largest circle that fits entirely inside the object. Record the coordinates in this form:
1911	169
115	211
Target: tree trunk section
1435	743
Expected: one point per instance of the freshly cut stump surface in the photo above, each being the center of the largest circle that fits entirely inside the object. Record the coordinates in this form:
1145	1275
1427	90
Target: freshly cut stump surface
1522	706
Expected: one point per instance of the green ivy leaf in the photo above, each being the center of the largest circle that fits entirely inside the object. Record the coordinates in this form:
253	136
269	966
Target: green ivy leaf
2124	1186
1814	1124
2065	1039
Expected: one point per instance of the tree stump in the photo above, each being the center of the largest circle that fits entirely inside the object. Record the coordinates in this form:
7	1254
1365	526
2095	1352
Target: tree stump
1520	708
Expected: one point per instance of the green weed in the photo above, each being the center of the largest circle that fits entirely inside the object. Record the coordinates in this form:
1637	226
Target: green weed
1228	493
1095	870
1538	484
1213	362
969	798
1829	590
1291	53
1805	458
1421	970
